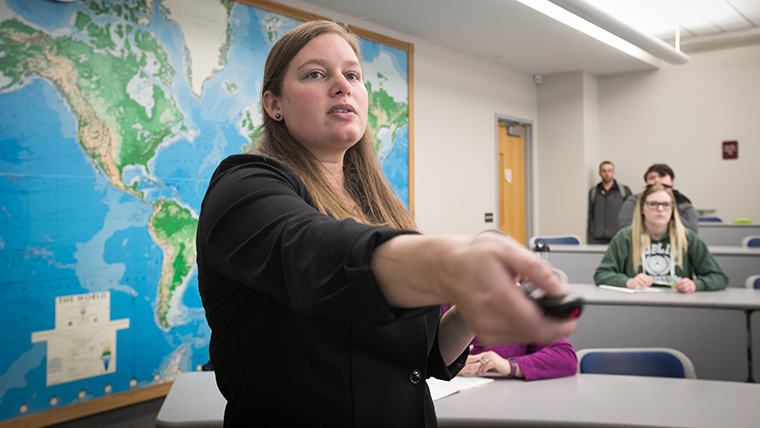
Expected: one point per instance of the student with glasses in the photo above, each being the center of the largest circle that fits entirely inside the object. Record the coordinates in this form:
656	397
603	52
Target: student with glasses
658	250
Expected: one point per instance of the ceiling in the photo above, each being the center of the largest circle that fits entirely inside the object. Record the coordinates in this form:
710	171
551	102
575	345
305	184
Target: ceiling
509	33
694	18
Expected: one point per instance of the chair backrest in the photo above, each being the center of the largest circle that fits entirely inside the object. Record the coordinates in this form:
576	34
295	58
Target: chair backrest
557	239
751	241
753	282
659	362
710	220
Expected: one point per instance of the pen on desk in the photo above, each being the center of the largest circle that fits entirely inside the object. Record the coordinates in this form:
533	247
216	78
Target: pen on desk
666	284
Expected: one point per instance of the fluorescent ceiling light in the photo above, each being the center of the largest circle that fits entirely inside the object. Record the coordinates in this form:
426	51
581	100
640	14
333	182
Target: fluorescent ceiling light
663	16
590	20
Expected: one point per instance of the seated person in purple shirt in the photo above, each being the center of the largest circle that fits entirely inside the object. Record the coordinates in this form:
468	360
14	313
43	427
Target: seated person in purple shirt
524	361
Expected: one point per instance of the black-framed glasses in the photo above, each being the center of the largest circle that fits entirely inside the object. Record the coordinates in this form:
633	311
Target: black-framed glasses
655	205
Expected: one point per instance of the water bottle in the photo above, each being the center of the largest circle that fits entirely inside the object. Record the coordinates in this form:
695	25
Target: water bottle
542	249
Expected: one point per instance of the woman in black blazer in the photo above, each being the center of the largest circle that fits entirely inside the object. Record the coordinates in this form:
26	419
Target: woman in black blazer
321	295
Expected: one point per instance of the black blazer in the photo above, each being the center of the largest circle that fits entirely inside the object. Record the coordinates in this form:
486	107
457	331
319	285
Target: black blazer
301	333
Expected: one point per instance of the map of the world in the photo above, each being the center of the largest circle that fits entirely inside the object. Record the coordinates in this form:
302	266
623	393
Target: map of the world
113	116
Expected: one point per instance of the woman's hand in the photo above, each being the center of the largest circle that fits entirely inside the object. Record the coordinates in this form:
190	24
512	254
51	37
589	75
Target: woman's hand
639	281
478	365
686	285
481	279
479	275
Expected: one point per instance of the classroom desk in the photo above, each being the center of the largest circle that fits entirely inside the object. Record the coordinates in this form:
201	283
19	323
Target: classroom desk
603	401
582	400
711	328
726	233
194	401
754	328
579	262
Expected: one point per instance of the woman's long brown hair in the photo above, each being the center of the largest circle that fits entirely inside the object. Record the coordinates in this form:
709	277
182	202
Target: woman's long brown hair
640	238
364	179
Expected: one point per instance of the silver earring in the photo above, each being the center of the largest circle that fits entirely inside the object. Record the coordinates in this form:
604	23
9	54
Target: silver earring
277	116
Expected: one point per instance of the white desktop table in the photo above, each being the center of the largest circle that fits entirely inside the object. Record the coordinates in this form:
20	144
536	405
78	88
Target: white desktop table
579	262
603	401
194	401
730	298
710	327
726	233
577	401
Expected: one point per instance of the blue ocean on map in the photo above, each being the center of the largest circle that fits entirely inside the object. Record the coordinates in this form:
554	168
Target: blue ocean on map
45	185
65	229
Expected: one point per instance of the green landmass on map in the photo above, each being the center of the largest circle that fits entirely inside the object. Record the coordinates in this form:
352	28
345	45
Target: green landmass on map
228	40
114	130
248	127
125	10
173	228
271	25
230	87
384	112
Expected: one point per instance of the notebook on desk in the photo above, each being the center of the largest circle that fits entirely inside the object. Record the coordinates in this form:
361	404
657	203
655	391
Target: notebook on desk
631	290
441	388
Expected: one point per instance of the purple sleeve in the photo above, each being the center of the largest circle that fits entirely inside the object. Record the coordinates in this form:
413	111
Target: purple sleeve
536	361
549	361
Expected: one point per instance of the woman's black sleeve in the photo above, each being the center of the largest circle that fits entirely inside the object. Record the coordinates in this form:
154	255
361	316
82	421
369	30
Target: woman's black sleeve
258	227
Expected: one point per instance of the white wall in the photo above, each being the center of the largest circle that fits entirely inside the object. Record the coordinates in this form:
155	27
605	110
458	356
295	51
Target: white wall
565	121
680	115
591	126
456	100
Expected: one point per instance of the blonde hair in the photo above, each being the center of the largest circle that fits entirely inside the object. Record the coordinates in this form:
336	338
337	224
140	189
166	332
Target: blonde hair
640	238
363	177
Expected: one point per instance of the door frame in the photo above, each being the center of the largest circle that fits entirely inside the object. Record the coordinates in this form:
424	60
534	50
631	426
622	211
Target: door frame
529	156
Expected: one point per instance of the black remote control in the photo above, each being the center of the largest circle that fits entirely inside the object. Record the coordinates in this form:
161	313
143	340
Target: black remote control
563	306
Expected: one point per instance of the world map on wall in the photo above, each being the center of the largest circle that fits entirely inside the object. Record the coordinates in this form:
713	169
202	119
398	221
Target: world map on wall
113	116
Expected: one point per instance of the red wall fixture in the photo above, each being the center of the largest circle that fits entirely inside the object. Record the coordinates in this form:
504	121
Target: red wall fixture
730	150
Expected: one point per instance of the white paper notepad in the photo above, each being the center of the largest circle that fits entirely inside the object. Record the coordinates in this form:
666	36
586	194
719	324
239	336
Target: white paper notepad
441	388
631	290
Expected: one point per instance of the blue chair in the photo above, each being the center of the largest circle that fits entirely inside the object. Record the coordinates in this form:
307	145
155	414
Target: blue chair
557	239
753	282
751	241
710	220
659	362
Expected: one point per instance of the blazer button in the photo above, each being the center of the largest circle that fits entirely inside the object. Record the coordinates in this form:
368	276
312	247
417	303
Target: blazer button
415	376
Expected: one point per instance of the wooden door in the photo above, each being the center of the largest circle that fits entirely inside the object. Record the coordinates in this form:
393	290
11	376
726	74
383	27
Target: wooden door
512	181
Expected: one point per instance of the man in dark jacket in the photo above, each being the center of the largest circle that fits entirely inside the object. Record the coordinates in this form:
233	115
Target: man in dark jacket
662	174
604	203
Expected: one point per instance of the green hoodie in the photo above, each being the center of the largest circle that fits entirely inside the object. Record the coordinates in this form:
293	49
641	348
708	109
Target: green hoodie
616	266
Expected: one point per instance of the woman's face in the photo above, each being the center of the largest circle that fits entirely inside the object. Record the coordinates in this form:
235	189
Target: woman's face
658	209
324	101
